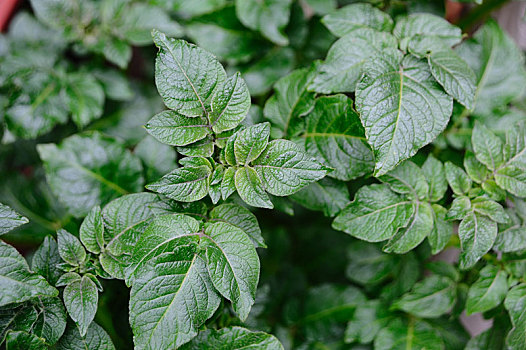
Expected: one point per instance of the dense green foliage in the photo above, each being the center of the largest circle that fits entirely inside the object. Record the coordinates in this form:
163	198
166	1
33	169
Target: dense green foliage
382	151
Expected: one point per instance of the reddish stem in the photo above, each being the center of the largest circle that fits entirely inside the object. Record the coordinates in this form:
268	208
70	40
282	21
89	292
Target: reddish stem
7	8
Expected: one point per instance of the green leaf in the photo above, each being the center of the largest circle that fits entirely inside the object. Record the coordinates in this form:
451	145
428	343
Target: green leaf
171	296
285	169
84	97
401	107
432	297
290	102
81	299
230	104
367	321
86	170
70	248
475	169
414	334
408	179
375	215
498	65
174	129
92	231
491	209
96	338
477	234
455	76
251	142
186	75
510	239
435	175
18	283
487	146
442	230
267	16
327	195
250	188
427	24
161	231
512	179
185	184
157	158
419	227
368	264
335	136
348	19
460	207
515	303
10	219
241	218
51	321
346	60
24	340
458	180
202	148
488	291
328	307
46	259
228	183
233	338
233	265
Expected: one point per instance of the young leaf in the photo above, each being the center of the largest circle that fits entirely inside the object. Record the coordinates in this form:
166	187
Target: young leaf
435	175
345	62
327	195
46	259
375	215
442	230
419	227
285	169
336	137
230	104
268	16
250	188
408	179
290	102
458	180
233	265
477	234
228	183
81	299
10	219
251	142
241	218
18	283
92	231
186	75
488	291
233	338
401	108
487	146
86	170
348	19
172	128
455	76
491	209
186	184
432	297
427	24
70	248
96	338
